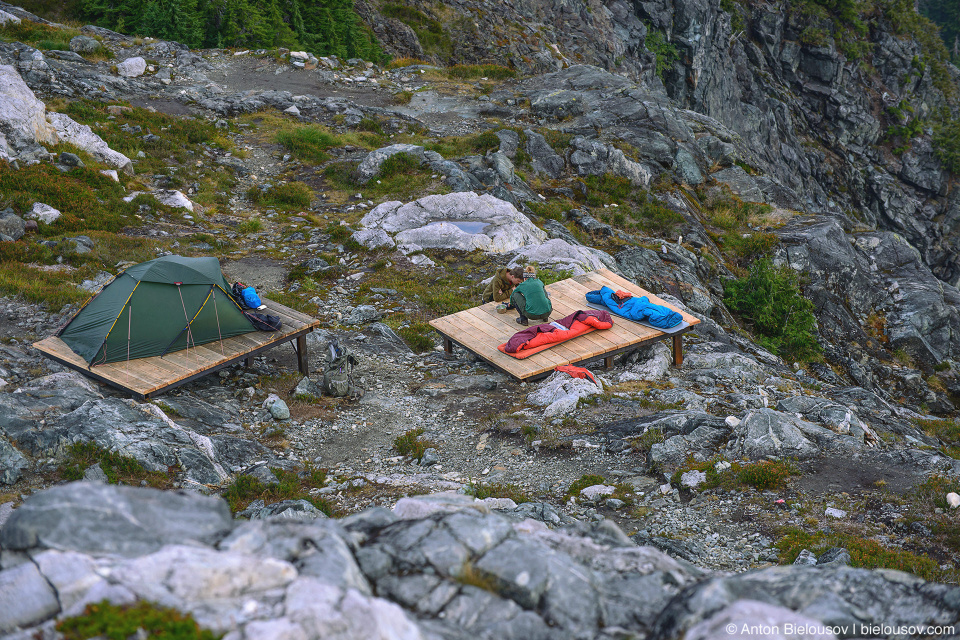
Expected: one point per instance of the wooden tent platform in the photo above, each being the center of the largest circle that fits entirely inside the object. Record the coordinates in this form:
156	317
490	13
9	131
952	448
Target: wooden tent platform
481	330
148	377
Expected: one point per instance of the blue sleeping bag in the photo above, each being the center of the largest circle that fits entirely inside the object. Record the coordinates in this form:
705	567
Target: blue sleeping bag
634	308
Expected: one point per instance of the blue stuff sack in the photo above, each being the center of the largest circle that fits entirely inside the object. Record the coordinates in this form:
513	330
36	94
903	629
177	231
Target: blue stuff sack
250	298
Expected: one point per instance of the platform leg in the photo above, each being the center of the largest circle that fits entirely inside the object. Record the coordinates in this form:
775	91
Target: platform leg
248	362
447	346
302	361
608	362
677	350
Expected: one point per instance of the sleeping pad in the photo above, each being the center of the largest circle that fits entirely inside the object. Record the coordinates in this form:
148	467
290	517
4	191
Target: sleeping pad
543	336
631	307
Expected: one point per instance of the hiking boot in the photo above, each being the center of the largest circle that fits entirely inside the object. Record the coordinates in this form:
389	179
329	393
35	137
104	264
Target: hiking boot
522	320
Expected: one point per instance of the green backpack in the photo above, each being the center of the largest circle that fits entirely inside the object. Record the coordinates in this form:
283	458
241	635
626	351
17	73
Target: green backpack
338	371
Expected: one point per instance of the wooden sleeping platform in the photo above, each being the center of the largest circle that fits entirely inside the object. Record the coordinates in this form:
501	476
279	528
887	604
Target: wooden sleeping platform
148	377
481	330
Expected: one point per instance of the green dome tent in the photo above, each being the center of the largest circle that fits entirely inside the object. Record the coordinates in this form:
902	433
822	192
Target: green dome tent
153	308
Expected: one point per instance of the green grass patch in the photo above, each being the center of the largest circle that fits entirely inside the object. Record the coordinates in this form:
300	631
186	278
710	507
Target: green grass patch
292	485
289	196
665	51
39	36
250	225
418	336
478	489
584	481
769	298
118	468
142	619
864	553
88	201
441	294
473	71
309	143
762	476
430	32
413	444
637	209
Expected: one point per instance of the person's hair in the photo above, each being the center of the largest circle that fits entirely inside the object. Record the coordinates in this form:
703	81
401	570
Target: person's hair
517	272
530	272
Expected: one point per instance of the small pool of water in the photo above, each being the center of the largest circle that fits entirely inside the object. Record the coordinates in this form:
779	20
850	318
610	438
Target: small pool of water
467	226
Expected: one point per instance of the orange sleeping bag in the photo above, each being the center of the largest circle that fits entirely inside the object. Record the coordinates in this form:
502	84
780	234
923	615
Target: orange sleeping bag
543	336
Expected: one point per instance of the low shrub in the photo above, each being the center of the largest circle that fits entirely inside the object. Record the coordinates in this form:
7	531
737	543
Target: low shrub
412	444
417	336
584	481
120	622
292	485
289	196
864	553
118	468
308	143
472	71
769	298
479	490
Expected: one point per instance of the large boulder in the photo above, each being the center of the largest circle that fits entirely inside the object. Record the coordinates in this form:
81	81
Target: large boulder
561	255
132	67
370	166
109	519
465	221
766	433
83	136
12	226
22	122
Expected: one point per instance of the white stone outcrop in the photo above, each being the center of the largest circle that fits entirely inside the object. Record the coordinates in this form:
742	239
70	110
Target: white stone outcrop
132	67
561	255
169	197
43	213
22	122
8	18
464	221
83	136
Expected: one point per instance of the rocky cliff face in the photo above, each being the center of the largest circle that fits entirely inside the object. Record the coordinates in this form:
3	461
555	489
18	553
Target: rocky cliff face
589	160
813	118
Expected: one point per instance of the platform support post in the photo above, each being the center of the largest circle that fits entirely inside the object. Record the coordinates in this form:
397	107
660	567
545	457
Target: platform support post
302	361
678	350
248	362
608	362
447	346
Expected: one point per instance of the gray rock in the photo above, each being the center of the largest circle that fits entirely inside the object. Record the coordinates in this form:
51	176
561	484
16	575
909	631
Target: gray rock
278	408
132	67
12	463
806	558
82	136
543	158
594	158
834	596
463	221
764	433
12	226
561	255
307	387
834	556
363	314
95	474
26	598
430	458
108	519
44	213
84	44
22	121
509	142
753	614
284	509
370	166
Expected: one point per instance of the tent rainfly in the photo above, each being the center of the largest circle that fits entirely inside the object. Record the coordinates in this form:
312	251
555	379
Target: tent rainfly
154	308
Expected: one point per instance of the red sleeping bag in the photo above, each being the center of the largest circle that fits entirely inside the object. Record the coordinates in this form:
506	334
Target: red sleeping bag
543	336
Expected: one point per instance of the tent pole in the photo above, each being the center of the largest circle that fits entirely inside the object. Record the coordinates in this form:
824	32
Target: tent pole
187	318
214	290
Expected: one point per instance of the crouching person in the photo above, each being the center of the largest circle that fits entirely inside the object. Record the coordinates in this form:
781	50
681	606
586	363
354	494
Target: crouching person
502	285
531	299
